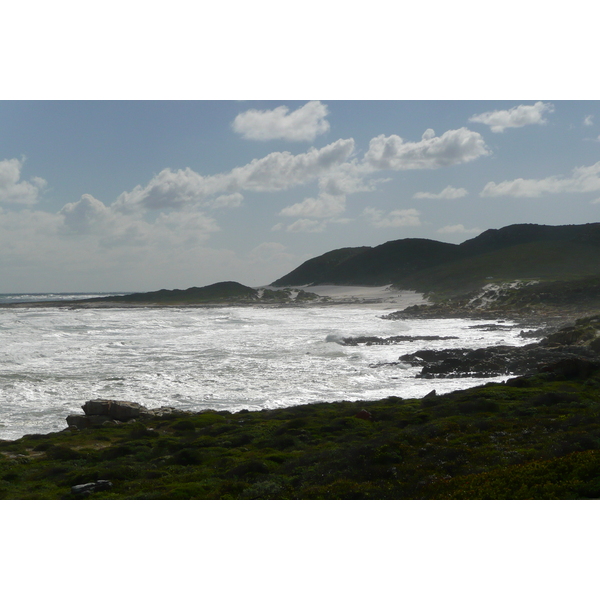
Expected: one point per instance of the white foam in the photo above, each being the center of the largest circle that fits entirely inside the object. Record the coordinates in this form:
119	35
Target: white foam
54	360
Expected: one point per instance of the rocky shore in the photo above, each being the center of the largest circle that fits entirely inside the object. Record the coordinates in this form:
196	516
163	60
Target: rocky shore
580	340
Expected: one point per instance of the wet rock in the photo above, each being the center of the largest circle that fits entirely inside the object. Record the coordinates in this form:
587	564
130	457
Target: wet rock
373	340
494	361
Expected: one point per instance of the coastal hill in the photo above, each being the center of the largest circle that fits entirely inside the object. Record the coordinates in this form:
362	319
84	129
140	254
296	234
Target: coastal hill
225	290
523	252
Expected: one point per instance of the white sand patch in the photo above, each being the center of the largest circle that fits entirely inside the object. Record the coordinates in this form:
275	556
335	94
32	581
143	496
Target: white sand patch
385	294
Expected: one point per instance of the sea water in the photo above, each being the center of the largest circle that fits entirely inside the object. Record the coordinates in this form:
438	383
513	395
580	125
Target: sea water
52	360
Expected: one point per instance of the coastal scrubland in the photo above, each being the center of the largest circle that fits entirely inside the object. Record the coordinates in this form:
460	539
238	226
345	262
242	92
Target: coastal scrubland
532	437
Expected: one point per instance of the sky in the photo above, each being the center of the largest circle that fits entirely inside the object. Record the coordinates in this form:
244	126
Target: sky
181	147
141	195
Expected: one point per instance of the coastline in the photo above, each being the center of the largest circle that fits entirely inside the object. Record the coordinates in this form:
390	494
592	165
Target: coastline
322	295
534	436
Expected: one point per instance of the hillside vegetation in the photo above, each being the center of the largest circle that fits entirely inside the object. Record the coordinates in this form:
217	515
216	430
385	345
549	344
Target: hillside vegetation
524	252
532	438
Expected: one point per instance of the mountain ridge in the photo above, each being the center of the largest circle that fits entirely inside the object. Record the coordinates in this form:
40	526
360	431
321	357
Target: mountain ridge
519	251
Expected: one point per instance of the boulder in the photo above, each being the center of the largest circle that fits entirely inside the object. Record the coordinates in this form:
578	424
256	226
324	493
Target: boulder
114	409
85	421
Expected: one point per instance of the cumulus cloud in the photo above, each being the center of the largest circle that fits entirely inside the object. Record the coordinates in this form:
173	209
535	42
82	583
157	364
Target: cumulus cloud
583	179
323	207
227	201
518	116
448	193
455	229
301	125
396	218
453	147
15	191
589	120
306	226
86	215
189	226
275	172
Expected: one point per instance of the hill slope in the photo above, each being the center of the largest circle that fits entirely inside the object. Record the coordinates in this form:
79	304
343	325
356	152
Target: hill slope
217	292
525	251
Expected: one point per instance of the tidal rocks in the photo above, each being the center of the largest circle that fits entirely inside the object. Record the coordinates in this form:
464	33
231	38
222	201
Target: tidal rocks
575	347
113	409
101	412
493	361
373	340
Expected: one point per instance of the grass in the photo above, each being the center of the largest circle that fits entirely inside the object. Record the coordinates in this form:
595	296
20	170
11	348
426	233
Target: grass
538	440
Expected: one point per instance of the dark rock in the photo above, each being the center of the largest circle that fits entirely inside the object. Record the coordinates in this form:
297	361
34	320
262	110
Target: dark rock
113	409
571	368
85	421
396	339
500	360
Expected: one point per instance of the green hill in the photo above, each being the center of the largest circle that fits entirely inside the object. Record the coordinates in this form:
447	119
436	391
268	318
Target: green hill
525	251
217	292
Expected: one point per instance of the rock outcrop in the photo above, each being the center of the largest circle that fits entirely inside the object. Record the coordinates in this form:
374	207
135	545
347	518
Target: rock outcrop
576	345
113	412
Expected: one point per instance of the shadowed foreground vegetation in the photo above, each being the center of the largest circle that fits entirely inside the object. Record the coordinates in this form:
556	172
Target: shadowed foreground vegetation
533	438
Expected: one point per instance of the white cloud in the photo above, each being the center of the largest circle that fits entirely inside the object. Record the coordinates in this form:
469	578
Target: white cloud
448	193
583	180
275	172
453	147
454	229
323	207
306	226
86	215
518	116
596	201
302	125
227	201
396	218
14	191
589	120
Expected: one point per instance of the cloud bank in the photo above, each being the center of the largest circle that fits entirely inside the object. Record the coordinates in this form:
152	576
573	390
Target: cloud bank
583	179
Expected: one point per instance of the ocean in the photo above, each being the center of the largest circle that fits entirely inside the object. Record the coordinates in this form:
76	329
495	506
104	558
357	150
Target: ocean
52	360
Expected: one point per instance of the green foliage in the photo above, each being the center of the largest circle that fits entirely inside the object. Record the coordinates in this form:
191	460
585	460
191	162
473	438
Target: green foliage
540	440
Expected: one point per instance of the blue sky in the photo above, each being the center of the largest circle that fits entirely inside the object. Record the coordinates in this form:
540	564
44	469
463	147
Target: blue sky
137	152
141	195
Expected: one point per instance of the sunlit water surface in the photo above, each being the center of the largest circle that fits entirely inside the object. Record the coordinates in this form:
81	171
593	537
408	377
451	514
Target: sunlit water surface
53	360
